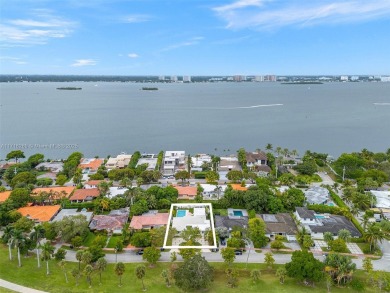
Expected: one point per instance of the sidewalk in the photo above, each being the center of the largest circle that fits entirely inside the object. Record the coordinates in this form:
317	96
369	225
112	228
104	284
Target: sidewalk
18	288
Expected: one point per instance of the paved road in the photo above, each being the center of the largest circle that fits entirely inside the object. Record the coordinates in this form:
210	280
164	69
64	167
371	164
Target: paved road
129	256
18	288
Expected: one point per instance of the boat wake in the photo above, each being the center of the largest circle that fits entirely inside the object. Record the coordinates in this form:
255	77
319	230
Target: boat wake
382	104
246	107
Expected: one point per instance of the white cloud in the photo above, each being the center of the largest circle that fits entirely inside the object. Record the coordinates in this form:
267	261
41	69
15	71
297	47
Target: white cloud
14	60
191	42
132	55
34	31
84	62
136	18
300	13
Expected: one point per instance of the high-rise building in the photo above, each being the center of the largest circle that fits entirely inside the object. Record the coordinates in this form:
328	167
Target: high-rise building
259	78
186	78
270	78
174	78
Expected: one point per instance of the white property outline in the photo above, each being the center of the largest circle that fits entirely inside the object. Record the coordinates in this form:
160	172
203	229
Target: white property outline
190	205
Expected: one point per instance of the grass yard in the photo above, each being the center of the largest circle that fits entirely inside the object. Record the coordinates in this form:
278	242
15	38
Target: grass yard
113	240
29	275
222	212
89	239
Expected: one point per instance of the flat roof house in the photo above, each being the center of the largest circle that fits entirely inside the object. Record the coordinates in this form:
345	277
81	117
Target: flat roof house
40	214
83	195
72	212
173	161
317	195
121	161
229	163
196	219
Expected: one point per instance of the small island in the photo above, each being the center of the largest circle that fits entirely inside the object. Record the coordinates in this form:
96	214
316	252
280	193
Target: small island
150	89
69	88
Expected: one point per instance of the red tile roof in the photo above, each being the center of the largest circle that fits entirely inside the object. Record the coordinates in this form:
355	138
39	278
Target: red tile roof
186	190
4	195
40	213
93	164
239	187
82	194
93	182
62	191
159	219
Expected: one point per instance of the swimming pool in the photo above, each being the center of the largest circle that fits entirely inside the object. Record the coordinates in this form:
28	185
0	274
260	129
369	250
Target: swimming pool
238	213
319	216
181	213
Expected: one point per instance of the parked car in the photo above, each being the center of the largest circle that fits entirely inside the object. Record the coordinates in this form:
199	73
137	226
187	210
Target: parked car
214	250
223	241
238	252
140	252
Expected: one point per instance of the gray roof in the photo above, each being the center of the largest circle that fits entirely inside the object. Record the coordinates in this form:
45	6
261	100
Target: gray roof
334	224
224	221
279	223
304	213
72	212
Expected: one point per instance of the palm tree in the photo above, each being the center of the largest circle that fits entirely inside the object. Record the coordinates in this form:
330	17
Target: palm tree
47	251
101	265
165	275
88	271
269	147
301	234
218	190
36	235
7	238
119	271
18	240
278	150
281	273
361	201
86	258
294	153
79	255
62	264
374	234
344	234
140	274
328	236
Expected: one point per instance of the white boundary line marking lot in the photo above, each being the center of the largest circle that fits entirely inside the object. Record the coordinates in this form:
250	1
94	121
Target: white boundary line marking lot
188	206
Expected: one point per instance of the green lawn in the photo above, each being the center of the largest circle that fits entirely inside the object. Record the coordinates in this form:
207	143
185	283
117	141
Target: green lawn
112	241
89	239
222	212
29	275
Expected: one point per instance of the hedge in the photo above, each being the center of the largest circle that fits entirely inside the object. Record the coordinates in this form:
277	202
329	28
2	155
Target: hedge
337	199
200	175
80	205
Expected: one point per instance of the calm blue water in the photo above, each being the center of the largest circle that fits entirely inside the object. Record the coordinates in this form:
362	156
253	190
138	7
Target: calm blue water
181	213
109	118
238	213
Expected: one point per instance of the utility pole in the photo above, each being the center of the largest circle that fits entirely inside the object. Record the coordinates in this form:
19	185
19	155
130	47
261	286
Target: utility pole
343	173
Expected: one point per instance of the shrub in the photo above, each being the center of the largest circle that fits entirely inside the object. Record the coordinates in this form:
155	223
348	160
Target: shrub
200	175
280	238
277	244
357	285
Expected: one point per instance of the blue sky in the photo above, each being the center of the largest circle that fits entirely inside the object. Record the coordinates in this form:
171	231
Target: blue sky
195	37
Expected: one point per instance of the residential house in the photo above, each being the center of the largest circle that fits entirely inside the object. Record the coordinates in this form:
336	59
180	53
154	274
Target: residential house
71	213
55	192
83	195
229	163
53	167
318	224
317	195
149	220
150	160
382	198
305	216
238	187
279	224
92	184
112	223
196	219
40	214
173	162
90	165
186	192
4	196
333	224
211	191
229	223
198	160
255	159
120	162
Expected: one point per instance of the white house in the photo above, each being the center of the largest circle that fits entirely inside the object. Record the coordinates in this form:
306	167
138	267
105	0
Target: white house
305	216
211	191
121	161
173	160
